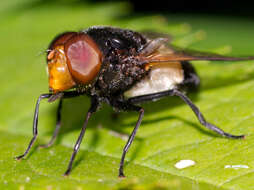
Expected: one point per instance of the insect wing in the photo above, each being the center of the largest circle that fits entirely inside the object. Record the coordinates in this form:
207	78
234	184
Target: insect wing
167	53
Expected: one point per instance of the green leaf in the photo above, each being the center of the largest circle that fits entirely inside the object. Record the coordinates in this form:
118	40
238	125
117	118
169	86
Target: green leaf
169	132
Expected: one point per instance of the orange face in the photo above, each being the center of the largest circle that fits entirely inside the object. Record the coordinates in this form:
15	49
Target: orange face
60	78
74	59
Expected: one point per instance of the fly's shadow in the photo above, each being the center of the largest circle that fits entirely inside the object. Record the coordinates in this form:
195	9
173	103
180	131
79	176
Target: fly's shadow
74	110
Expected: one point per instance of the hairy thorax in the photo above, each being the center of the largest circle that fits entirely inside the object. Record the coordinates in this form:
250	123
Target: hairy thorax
118	75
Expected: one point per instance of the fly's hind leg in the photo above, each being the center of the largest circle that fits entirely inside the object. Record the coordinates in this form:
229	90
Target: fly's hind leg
194	108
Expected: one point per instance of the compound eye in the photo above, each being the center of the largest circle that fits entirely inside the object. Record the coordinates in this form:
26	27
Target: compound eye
83	58
59	40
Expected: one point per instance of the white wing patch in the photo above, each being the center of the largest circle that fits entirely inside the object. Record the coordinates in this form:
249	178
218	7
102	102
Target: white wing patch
162	77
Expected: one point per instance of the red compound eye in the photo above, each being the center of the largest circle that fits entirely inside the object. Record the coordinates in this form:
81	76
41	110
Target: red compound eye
84	58
61	39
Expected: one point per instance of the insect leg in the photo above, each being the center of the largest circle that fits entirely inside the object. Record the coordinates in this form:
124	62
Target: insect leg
36	113
202	119
194	108
92	109
130	140
58	125
69	94
35	124
131	107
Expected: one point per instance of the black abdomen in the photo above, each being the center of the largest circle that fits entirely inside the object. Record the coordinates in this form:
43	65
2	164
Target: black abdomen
191	80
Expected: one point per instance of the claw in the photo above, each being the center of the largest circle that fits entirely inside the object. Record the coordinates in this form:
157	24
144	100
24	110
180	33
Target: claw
18	158
121	175
66	174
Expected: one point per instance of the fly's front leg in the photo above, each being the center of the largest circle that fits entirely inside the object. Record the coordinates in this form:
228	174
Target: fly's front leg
60	96
58	125
194	108
35	125
36	114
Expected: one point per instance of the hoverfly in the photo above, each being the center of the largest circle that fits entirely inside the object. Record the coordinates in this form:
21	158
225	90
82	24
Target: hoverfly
122	68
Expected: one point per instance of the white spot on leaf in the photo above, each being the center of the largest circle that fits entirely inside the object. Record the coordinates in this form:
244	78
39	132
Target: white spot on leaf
27	179
100	180
236	167
184	164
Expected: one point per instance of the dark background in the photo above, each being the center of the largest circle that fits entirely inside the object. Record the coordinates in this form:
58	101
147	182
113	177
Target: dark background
231	8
